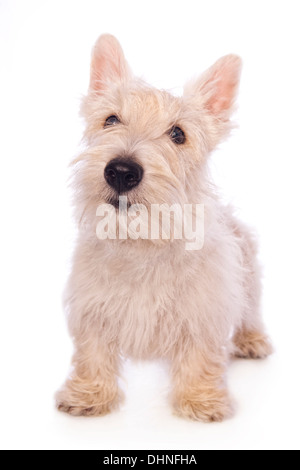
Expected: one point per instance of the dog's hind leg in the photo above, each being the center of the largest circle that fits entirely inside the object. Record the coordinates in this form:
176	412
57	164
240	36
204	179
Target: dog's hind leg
250	339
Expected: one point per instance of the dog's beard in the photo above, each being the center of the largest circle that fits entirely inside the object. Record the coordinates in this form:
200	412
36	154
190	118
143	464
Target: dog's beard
125	219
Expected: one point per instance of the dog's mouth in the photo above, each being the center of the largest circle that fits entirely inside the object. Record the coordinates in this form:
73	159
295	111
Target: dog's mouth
119	204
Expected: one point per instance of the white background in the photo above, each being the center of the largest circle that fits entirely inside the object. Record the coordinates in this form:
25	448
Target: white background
45	53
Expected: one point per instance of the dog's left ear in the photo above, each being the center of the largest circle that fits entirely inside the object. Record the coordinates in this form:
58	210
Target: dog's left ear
217	87
108	64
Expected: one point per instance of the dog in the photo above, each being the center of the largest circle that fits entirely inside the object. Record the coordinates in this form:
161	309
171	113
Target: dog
149	298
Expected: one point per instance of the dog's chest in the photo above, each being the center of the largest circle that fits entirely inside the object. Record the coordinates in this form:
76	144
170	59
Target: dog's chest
141	303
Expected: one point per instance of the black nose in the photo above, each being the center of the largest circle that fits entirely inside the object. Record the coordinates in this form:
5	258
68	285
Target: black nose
123	175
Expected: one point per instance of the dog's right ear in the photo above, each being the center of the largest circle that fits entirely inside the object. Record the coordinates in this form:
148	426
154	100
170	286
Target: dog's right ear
108	63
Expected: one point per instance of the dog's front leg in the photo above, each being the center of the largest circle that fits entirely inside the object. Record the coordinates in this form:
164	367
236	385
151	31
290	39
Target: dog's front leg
199	390
92	388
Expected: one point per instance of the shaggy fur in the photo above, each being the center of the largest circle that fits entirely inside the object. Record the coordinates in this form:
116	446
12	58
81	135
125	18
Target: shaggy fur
152	298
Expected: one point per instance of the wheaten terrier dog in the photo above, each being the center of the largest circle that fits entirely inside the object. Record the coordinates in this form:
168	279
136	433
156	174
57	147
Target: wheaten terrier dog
138	290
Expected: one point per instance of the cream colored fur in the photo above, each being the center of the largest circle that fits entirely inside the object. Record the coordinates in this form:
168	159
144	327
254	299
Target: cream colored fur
147	298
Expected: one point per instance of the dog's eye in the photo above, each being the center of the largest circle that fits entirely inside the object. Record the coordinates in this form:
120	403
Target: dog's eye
177	135
112	121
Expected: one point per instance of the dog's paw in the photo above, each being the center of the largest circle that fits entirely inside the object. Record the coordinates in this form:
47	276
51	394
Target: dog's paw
82	403
83	410
252	345
215	406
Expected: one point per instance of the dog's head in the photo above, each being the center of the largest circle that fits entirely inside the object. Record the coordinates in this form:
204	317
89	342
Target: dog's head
148	144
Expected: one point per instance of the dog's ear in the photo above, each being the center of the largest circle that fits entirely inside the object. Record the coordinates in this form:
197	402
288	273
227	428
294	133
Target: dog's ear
108	63
217	87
